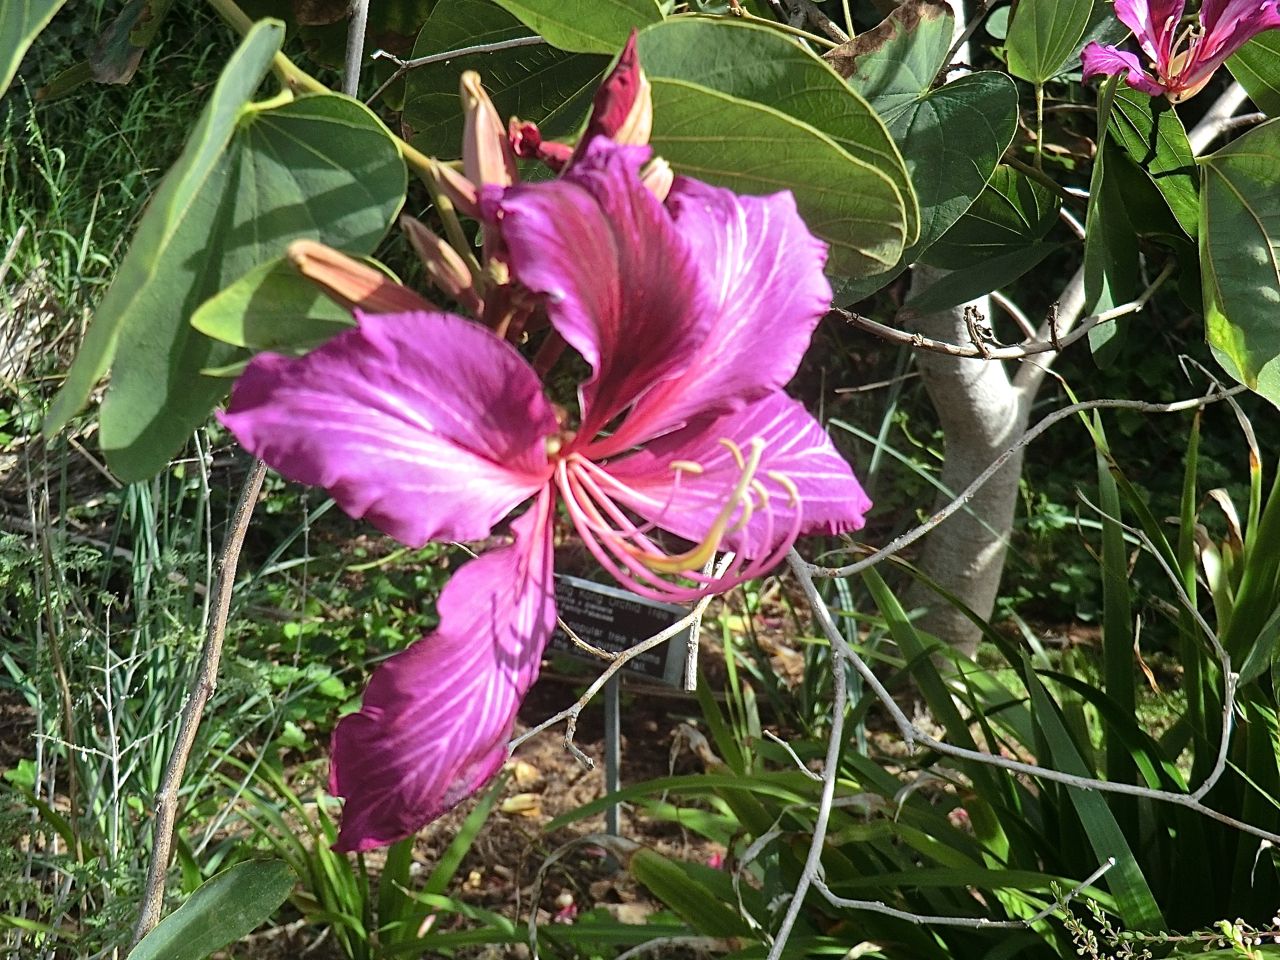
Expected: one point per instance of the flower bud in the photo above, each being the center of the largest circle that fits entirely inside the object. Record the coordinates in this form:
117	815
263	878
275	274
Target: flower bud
527	143
623	105
486	154
658	177
351	283
445	268
460	191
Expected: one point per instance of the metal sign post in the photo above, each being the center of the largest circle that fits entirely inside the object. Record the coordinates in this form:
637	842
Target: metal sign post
615	620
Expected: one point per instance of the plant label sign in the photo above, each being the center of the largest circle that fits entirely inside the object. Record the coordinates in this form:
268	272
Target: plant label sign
615	620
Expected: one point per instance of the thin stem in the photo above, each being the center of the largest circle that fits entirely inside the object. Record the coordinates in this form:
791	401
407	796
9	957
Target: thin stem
742	14
404	66
1040	126
202	688
848	19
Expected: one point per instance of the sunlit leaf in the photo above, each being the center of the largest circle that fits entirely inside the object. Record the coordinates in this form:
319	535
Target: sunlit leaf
585	26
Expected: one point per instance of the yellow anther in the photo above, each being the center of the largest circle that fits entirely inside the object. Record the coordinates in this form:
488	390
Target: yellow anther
734	449
701	552
786	483
686	466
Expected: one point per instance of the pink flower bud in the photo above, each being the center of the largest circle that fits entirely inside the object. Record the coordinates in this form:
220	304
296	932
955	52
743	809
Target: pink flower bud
527	143
445	268
623	106
486	154
350	283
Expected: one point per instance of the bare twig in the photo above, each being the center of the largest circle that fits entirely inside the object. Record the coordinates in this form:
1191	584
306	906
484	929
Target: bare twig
981	923
911	536
979	349
404	66
570	714
205	680
914	737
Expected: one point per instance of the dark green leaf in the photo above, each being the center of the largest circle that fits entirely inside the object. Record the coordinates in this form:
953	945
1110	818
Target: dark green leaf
1043	35
20	23
762	66
695	904
994	273
585	26
1240	257
1149	130
1012	213
952	138
272	307
1111	261
539	83
1257	66
753	148
221	911
183	184
895	62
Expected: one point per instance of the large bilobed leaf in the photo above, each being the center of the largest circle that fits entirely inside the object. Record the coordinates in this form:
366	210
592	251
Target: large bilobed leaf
752	148
1257	66
1153	136
539	83
20	23
1240	257
221	911
251	179
1012	212
321	167
585	26
894	63
1043	34
952	138
272	307
180	189
762	66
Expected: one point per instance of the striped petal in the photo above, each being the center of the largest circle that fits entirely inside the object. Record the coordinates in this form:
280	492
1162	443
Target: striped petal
426	424
765	292
436	718
1099	59
657	483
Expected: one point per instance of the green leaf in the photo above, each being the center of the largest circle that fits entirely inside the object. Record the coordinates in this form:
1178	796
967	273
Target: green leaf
585	26
1110	251
1152	134
272	307
894	63
952	138
253	178
541	83
752	148
764	67
1011	214
695	904
20	23
1043	35
1240	257
178	192
1257	66
994	273
221	911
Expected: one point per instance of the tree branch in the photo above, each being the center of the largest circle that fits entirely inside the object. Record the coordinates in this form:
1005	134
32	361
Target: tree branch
204	682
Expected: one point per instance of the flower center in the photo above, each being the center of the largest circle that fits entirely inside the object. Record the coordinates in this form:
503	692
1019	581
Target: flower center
625	548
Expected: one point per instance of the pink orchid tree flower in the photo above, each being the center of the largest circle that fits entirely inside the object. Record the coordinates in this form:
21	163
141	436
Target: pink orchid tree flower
1184	57
693	312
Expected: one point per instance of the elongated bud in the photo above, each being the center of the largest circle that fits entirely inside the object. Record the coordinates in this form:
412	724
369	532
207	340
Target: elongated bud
486	155
658	177
461	192
623	105
352	283
445	268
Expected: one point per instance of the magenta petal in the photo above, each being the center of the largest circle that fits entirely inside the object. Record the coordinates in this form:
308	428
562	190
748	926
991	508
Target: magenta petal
1229	25
766	293
831	499
427	424
436	718
621	286
1154	23
1096	59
